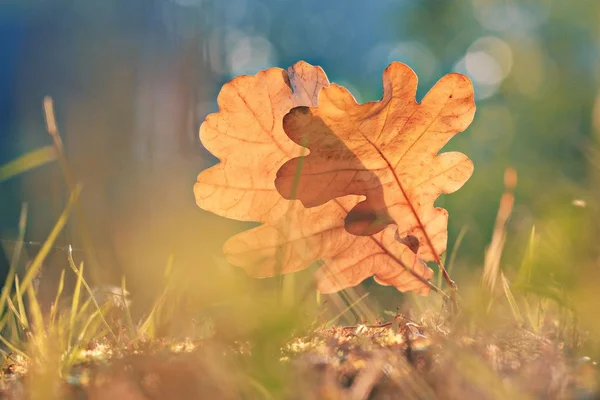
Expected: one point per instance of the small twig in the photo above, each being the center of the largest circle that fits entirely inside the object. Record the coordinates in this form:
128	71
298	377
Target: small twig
375	326
385	324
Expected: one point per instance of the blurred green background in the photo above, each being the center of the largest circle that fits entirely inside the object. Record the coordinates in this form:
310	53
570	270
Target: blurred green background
132	80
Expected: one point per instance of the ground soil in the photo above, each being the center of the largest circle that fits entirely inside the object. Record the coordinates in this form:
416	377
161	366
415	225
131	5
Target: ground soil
394	360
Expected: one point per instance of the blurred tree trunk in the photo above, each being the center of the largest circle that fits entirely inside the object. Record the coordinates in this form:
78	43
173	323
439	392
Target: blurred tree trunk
126	93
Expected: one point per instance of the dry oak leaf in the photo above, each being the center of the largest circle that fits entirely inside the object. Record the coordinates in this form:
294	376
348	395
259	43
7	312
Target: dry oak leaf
247	136
386	151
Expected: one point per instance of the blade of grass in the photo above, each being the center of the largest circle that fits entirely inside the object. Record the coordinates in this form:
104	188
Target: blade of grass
54	308
493	254
81	220
36	264
83	309
349	307
28	161
13	348
511	299
89	290
20	304
350	296
365	313
455	248
37	318
16	314
10	277
148	327
19	246
126	305
92	324
13	328
75	302
440	276
525	270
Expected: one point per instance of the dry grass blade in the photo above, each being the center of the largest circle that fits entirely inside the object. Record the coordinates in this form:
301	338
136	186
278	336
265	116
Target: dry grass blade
511	299
491	269
348	308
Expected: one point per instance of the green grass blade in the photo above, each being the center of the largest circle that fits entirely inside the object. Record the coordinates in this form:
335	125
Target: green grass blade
29	161
89	290
75	302
457	243
83	309
148	327
126	305
19	245
15	313
89	329
21	311
525	270
54	308
13	348
94	322
37	318
36	264
10	277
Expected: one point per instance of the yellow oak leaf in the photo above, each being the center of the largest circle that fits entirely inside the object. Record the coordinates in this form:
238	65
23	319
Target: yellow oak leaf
386	151
247	136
